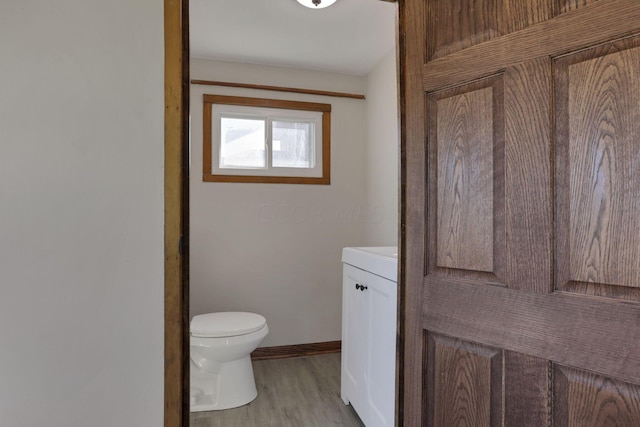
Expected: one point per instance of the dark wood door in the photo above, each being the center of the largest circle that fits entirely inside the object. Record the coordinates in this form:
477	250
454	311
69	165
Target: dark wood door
520	239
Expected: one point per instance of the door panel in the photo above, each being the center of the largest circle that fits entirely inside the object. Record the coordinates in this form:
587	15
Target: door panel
521	227
597	94
467	176
588	400
466	383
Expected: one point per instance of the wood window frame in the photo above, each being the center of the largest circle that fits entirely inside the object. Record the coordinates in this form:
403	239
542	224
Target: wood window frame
207	144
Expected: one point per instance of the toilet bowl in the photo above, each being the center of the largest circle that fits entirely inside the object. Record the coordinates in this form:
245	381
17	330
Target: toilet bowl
221	374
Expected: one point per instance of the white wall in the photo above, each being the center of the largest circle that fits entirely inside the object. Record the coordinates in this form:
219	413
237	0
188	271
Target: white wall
81	187
275	248
382	153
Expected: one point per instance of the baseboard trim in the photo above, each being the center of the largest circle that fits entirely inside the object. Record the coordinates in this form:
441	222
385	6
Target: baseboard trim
297	350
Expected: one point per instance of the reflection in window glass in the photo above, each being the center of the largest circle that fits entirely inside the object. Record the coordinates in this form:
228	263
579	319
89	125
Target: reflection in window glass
242	143
292	144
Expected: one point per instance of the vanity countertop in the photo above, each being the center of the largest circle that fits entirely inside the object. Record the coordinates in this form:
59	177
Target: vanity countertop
379	260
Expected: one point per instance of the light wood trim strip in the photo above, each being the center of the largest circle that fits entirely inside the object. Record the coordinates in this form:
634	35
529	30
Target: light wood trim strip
568	32
278	89
265	179
539	324
176	412
297	350
266	102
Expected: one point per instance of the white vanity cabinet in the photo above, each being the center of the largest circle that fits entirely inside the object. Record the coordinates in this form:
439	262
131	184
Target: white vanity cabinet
369	295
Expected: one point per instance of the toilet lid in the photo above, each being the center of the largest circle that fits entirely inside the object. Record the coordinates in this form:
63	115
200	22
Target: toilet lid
226	324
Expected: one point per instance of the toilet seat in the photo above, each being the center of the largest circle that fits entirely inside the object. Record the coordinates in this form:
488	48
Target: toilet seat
226	324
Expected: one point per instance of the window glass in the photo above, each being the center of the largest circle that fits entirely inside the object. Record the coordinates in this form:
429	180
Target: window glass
242	143
292	144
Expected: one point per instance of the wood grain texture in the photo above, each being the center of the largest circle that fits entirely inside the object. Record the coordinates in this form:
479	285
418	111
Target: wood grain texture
572	330
284	351
528	390
520	14
598	129
564	6
466	180
176	301
467	383
411	109
568	32
529	209
266	102
533	326
294	392
278	89
583	399
455	26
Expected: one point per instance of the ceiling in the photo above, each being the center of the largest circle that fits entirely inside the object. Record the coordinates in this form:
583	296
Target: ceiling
349	37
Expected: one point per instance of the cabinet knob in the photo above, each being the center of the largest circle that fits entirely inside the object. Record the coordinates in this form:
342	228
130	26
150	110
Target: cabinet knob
357	286
362	287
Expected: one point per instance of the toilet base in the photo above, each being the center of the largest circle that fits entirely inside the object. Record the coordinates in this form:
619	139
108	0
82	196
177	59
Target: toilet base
234	378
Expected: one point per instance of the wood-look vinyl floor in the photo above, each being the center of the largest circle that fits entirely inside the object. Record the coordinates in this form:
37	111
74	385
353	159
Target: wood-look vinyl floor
293	392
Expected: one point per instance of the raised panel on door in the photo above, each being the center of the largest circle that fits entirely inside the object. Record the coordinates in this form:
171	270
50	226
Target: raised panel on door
522	212
597	96
466	158
584	399
465	383
490	196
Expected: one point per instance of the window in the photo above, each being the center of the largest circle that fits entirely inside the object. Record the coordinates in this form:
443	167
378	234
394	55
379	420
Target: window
266	140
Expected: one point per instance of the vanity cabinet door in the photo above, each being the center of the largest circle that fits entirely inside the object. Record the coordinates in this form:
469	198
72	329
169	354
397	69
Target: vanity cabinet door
380	351
369	346
353	339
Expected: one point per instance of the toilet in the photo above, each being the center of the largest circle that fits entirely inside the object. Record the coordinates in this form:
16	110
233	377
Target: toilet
221	374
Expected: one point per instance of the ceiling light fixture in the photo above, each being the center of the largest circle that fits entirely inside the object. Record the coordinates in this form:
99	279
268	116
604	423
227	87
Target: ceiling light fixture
316	4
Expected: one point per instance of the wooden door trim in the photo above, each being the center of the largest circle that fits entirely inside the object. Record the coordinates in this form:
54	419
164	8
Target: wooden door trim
562	34
411	108
176	301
